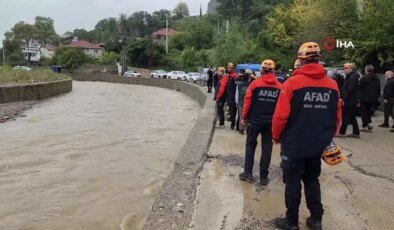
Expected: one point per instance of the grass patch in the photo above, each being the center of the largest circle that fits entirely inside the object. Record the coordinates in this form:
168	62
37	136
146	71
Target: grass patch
9	76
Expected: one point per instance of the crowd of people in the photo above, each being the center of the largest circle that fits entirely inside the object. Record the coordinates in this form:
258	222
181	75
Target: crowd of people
303	112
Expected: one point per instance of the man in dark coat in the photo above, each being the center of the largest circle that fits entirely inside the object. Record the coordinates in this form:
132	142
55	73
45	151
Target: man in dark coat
388	99
210	80
369	91
349	98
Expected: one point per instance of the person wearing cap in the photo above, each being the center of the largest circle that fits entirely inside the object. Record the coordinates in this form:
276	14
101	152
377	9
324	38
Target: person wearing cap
231	90
349	99
305	121
220	95
259	106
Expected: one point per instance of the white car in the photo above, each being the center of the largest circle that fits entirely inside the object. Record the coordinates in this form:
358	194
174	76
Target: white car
22	67
177	75
132	73
158	74
193	77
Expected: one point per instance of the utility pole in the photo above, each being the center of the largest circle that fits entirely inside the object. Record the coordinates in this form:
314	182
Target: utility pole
3	54
166	33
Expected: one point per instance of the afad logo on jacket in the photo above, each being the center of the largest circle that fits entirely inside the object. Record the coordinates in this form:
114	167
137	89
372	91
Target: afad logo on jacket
316	100
331	43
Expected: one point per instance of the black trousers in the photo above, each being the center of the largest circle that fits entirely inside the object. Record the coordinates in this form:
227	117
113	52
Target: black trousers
266	148
209	84
233	113
308	171
241	127
349	117
366	109
388	110
220	109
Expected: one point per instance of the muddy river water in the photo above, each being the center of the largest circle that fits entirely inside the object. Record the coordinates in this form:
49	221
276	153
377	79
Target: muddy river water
91	159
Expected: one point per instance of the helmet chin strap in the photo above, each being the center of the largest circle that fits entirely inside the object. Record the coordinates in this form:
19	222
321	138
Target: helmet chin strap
310	60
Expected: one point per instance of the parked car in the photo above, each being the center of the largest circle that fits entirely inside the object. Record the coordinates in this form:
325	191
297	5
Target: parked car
132	73
177	75
193	77
158	74
22	67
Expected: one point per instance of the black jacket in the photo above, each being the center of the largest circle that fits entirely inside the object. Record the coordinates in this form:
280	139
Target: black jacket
210	75
349	91
388	91
215	79
339	79
369	88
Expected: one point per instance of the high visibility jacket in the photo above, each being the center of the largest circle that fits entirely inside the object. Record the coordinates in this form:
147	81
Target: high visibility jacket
221	94
260	99
308	112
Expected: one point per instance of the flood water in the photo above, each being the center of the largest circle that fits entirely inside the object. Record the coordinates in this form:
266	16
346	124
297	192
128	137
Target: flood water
91	159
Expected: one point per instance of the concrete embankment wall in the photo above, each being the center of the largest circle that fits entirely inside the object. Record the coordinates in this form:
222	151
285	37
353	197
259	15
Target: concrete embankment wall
37	91
174	205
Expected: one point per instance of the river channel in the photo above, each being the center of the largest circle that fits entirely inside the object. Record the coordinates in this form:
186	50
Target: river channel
91	159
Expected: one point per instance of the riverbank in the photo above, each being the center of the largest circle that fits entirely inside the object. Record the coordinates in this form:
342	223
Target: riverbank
11	77
10	111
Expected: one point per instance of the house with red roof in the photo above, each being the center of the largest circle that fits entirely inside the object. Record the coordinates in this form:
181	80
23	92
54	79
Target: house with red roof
160	36
91	49
48	51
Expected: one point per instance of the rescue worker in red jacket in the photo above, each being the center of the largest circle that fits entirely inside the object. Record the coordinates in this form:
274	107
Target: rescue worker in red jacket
259	106
305	121
231	90
221	95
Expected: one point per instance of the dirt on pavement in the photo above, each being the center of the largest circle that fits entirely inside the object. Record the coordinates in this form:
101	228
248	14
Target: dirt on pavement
357	194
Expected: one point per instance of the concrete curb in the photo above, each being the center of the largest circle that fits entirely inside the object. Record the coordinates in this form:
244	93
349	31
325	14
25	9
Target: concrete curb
38	91
174	205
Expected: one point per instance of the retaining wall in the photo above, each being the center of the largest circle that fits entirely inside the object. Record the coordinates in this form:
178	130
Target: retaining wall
26	92
174	204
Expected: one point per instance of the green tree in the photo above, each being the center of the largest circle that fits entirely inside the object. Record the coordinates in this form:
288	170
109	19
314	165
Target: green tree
190	58
70	57
44	30
181	10
159	19
144	53
374	36
21	32
108	58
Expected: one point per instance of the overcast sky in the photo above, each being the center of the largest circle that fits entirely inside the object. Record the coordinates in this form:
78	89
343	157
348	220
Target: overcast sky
76	14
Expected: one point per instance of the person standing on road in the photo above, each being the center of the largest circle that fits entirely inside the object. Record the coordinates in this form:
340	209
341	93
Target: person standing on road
388	100
216	79
231	88
240	95
349	96
305	121
280	76
369	88
221	95
259	106
210	79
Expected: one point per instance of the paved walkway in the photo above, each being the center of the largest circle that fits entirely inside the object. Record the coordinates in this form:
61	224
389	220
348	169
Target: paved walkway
357	194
